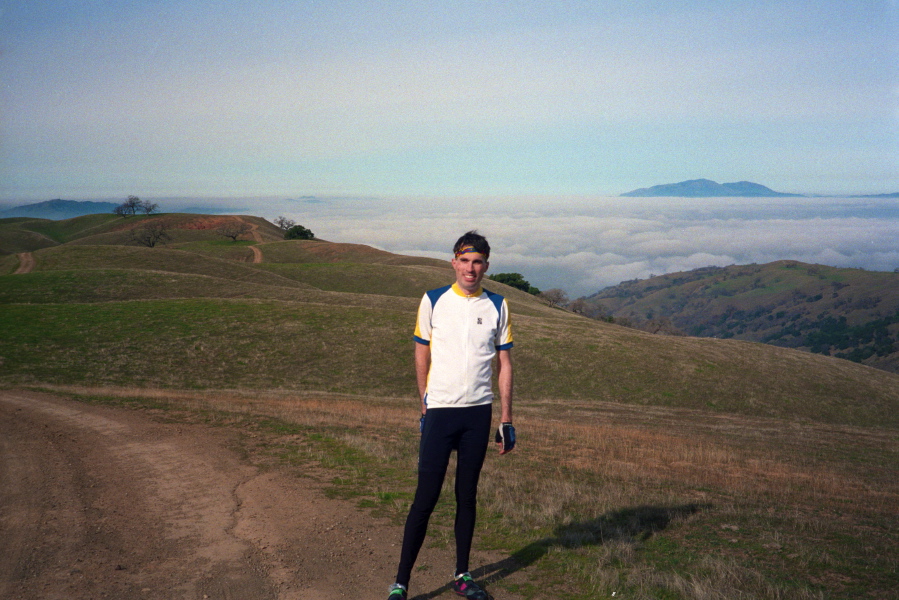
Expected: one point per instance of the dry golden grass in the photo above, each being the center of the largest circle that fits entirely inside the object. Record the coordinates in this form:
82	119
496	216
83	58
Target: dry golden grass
647	502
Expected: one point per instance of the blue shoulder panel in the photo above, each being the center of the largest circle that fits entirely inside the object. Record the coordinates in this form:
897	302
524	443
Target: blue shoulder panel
496	299
434	295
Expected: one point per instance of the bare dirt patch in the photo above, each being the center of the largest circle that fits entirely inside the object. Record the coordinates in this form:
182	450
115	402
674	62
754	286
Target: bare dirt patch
111	502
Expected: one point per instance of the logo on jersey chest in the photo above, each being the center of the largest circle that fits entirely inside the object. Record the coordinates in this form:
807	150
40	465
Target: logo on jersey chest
480	321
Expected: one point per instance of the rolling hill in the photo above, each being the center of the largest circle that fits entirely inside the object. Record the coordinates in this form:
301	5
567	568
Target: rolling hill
648	466
28	234
58	209
847	313
315	315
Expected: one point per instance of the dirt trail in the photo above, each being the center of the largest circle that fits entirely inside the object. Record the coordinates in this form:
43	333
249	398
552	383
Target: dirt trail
26	263
254	230
257	237
109	502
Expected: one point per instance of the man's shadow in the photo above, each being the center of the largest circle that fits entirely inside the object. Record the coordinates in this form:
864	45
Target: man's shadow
629	524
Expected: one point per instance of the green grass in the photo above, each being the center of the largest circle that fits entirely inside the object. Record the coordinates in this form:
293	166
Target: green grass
143	259
27	235
111	285
316	251
359	278
205	343
223	249
333	346
648	466
71	229
8	264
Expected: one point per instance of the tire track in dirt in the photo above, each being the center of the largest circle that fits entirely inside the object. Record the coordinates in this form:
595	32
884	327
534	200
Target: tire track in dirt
99	501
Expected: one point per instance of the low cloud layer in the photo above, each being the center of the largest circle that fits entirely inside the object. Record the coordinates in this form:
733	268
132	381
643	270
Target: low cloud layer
584	245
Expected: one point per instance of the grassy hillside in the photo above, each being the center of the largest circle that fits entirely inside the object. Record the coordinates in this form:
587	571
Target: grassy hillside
26	235
20	235
16	233
198	314
649	466
847	313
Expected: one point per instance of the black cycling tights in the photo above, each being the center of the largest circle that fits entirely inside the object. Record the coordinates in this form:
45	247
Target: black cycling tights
466	430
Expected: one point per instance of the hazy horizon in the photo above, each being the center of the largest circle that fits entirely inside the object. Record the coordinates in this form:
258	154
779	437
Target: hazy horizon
582	244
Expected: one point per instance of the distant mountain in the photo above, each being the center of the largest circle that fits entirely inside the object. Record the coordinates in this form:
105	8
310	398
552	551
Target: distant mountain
893	195
705	188
847	313
58	210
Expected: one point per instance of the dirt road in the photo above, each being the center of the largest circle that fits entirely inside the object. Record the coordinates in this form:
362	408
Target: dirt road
100	502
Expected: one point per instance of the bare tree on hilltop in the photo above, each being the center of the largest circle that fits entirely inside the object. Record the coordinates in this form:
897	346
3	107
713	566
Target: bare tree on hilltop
284	223
134	205
234	229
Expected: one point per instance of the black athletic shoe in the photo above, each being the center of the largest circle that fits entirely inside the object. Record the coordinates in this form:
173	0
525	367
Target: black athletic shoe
464	585
397	592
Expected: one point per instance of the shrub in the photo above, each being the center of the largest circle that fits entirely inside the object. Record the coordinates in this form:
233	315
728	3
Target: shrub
516	280
298	232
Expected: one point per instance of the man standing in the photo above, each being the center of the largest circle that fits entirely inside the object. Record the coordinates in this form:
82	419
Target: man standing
460	328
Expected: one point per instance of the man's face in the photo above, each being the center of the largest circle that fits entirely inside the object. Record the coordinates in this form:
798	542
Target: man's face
470	268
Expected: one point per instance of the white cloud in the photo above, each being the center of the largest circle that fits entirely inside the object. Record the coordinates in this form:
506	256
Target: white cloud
584	246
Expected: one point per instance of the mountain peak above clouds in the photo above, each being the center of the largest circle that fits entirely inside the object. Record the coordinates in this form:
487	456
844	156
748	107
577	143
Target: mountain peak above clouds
706	188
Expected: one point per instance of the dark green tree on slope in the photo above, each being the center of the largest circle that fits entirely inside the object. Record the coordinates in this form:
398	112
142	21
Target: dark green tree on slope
515	280
298	232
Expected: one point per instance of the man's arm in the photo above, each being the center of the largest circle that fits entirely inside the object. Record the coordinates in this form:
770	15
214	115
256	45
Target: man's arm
504	380
422	367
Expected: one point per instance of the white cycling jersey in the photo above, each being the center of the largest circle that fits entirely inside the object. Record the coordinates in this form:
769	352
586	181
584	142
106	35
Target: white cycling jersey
464	333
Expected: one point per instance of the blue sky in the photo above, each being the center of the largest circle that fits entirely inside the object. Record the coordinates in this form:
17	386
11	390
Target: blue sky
409	99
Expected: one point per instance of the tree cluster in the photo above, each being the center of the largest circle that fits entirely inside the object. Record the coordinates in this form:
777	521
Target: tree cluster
292	231
515	280
298	232
134	205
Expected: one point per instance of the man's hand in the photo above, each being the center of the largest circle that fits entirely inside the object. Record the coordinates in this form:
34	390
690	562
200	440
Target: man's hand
505	438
